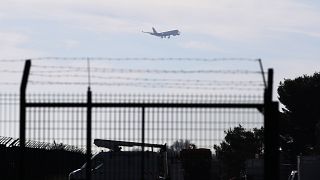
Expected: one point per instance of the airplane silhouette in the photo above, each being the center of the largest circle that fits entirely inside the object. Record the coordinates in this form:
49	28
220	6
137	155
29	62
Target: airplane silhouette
163	34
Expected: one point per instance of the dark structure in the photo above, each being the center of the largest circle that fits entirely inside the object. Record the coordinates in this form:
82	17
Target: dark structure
44	160
197	164
269	109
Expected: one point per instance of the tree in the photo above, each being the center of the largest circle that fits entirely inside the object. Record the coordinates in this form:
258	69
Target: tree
238	146
300	119
181	144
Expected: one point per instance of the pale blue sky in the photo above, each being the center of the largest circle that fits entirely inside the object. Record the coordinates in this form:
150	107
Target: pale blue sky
285	34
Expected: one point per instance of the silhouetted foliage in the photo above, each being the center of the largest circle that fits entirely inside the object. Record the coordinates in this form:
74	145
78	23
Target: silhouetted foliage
179	145
48	162
239	145
300	120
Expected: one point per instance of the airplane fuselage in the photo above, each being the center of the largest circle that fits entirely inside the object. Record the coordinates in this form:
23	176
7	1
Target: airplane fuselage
164	34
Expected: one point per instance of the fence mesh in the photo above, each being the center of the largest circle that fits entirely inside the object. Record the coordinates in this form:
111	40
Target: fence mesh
178	142
57	128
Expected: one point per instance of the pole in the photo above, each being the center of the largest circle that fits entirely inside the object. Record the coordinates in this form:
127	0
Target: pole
271	132
143	142
262	73
89	72
22	130
89	125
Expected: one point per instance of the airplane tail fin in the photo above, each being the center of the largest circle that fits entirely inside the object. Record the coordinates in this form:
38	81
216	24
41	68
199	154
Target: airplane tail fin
154	30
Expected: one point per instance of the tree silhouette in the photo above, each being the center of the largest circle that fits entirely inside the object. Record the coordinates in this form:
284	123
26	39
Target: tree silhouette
239	145
181	144
300	120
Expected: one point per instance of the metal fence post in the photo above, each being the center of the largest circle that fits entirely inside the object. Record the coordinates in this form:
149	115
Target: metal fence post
271	132
22	128
89	128
143	141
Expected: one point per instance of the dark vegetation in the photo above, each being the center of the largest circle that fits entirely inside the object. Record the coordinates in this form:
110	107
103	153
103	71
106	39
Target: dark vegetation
300	117
299	120
179	145
196	163
41	163
238	146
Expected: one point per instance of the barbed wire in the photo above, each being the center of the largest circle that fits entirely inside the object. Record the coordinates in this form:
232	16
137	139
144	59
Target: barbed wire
10	71
157	71
79	71
9	83
131	59
150	83
15	142
146	85
216	82
12	60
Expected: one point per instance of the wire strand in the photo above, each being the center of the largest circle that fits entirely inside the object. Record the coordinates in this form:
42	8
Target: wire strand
145	85
157	71
157	80
148	79
9	83
10	71
12	60
146	59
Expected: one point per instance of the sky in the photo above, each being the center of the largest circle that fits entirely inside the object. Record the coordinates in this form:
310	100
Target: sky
285	34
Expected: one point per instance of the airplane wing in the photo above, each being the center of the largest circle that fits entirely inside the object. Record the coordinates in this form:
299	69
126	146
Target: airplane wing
147	32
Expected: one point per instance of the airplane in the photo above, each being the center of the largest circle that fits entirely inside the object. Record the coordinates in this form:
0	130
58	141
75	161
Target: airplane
163	34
